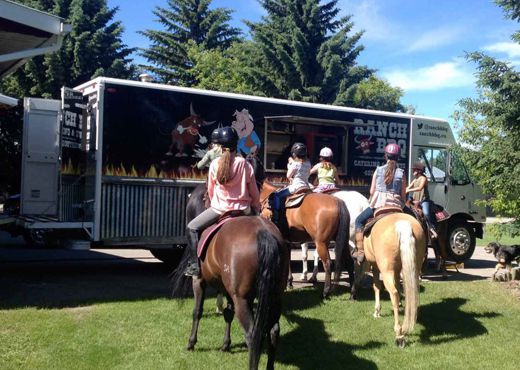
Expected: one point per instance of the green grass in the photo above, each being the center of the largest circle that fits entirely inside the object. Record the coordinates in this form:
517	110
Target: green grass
491	236
462	325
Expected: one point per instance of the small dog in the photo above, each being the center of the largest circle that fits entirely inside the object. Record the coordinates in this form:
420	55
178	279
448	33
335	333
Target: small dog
505	256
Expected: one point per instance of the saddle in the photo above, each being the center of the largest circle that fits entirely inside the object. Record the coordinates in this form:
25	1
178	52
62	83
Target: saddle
379	214
210	231
330	191
294	200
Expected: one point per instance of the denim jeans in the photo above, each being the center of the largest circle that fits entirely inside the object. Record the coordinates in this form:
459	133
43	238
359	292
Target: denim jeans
278	198
425	205
363	217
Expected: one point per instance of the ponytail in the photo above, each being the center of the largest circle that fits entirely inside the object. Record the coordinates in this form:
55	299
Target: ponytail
390	171
224	167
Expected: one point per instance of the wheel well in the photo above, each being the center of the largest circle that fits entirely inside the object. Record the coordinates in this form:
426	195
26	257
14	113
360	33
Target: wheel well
476	226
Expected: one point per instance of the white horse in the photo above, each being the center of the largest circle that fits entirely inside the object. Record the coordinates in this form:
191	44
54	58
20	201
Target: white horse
356	203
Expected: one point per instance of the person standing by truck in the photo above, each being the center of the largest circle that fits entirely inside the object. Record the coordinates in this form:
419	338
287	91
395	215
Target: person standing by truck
214	151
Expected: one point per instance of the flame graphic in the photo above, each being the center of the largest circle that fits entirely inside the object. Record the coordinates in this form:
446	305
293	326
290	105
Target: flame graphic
185	173
69	169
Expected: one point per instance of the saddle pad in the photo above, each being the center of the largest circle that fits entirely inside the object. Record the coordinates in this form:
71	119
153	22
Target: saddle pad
294	201
330	191
208	234
371	221
387	210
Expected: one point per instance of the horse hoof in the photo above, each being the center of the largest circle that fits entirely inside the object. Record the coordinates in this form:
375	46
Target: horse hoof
224	349
313	280
190	347
400	342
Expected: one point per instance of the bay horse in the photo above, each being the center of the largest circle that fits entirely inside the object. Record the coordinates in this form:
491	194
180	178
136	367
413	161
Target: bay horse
320	219
246	259
395	248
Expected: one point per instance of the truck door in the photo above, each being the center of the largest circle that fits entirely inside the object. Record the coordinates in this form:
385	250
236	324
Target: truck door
40	157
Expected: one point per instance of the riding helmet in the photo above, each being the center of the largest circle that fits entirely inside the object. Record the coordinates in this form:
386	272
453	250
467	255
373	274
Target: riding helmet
299	150
214	136
418	166
392	151
227	137
326	152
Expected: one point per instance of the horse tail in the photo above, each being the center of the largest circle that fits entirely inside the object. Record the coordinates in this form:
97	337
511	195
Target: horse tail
409	273
269	290
182	284
341	249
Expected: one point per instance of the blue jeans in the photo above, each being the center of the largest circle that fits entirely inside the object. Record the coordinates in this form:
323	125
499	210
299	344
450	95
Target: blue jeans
425	205
363	217
277	199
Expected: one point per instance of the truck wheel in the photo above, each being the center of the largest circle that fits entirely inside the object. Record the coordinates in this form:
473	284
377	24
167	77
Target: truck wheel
170	256
461	242
35	238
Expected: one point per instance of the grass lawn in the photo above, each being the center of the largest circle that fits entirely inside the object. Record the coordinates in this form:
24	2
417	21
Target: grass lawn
489	236
462	325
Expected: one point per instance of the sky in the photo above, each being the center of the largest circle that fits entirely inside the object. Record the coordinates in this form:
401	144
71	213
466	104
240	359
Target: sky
418	45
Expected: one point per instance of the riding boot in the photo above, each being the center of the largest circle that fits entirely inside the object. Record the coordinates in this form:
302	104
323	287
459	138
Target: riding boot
359	253
193	268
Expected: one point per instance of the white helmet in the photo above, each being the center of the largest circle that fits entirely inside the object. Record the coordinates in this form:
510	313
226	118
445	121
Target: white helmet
326	152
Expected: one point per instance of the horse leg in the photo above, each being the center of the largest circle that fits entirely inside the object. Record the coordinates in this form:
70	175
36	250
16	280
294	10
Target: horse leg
272	343
199	288
290	279
229	313
377	292
314	277
323	252
244	316
390	285
220	303
305	250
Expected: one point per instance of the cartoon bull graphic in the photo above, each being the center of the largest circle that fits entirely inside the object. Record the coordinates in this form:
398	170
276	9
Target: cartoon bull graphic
187	134
364	144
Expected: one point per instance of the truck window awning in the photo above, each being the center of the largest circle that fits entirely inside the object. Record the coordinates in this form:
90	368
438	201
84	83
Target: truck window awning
25	33
7	101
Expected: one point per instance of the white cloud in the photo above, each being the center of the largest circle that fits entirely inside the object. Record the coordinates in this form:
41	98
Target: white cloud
453	74
435	38
512	49
367	16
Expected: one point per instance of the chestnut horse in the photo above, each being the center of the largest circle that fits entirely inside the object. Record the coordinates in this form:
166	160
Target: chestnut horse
395	247
321	218
246	259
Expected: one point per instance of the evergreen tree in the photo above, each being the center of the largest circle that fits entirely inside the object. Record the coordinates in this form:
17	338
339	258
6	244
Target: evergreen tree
307	53
490	132
183	21
93	48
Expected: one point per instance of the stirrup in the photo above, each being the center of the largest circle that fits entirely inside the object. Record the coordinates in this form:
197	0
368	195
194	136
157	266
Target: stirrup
433	234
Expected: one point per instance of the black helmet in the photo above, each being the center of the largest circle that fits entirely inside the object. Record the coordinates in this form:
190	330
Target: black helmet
227	137
214	136
299	150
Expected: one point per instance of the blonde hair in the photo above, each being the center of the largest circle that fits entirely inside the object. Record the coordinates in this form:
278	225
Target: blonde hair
390	171
224	166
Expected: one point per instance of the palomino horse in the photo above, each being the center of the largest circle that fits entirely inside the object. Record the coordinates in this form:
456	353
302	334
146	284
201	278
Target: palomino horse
395	247
246	259
356	203
320	218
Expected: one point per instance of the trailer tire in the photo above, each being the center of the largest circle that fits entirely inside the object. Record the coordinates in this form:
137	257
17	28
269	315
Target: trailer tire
461	241
170	256
35	238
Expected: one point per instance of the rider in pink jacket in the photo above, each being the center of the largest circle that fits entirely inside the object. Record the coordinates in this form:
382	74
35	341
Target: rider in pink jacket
231	186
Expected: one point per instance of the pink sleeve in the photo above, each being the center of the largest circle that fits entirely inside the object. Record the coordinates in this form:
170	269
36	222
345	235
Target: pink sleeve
252	188
211	181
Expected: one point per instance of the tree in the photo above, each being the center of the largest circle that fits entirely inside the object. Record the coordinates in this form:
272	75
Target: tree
223	70
306	53
490	133
183	21
10	148
375	93
93	48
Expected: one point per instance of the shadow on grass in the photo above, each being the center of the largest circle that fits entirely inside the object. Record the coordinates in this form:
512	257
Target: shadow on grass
71	285
308	336
445	321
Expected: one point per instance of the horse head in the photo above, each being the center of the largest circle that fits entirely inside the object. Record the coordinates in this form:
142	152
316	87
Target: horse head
258	168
